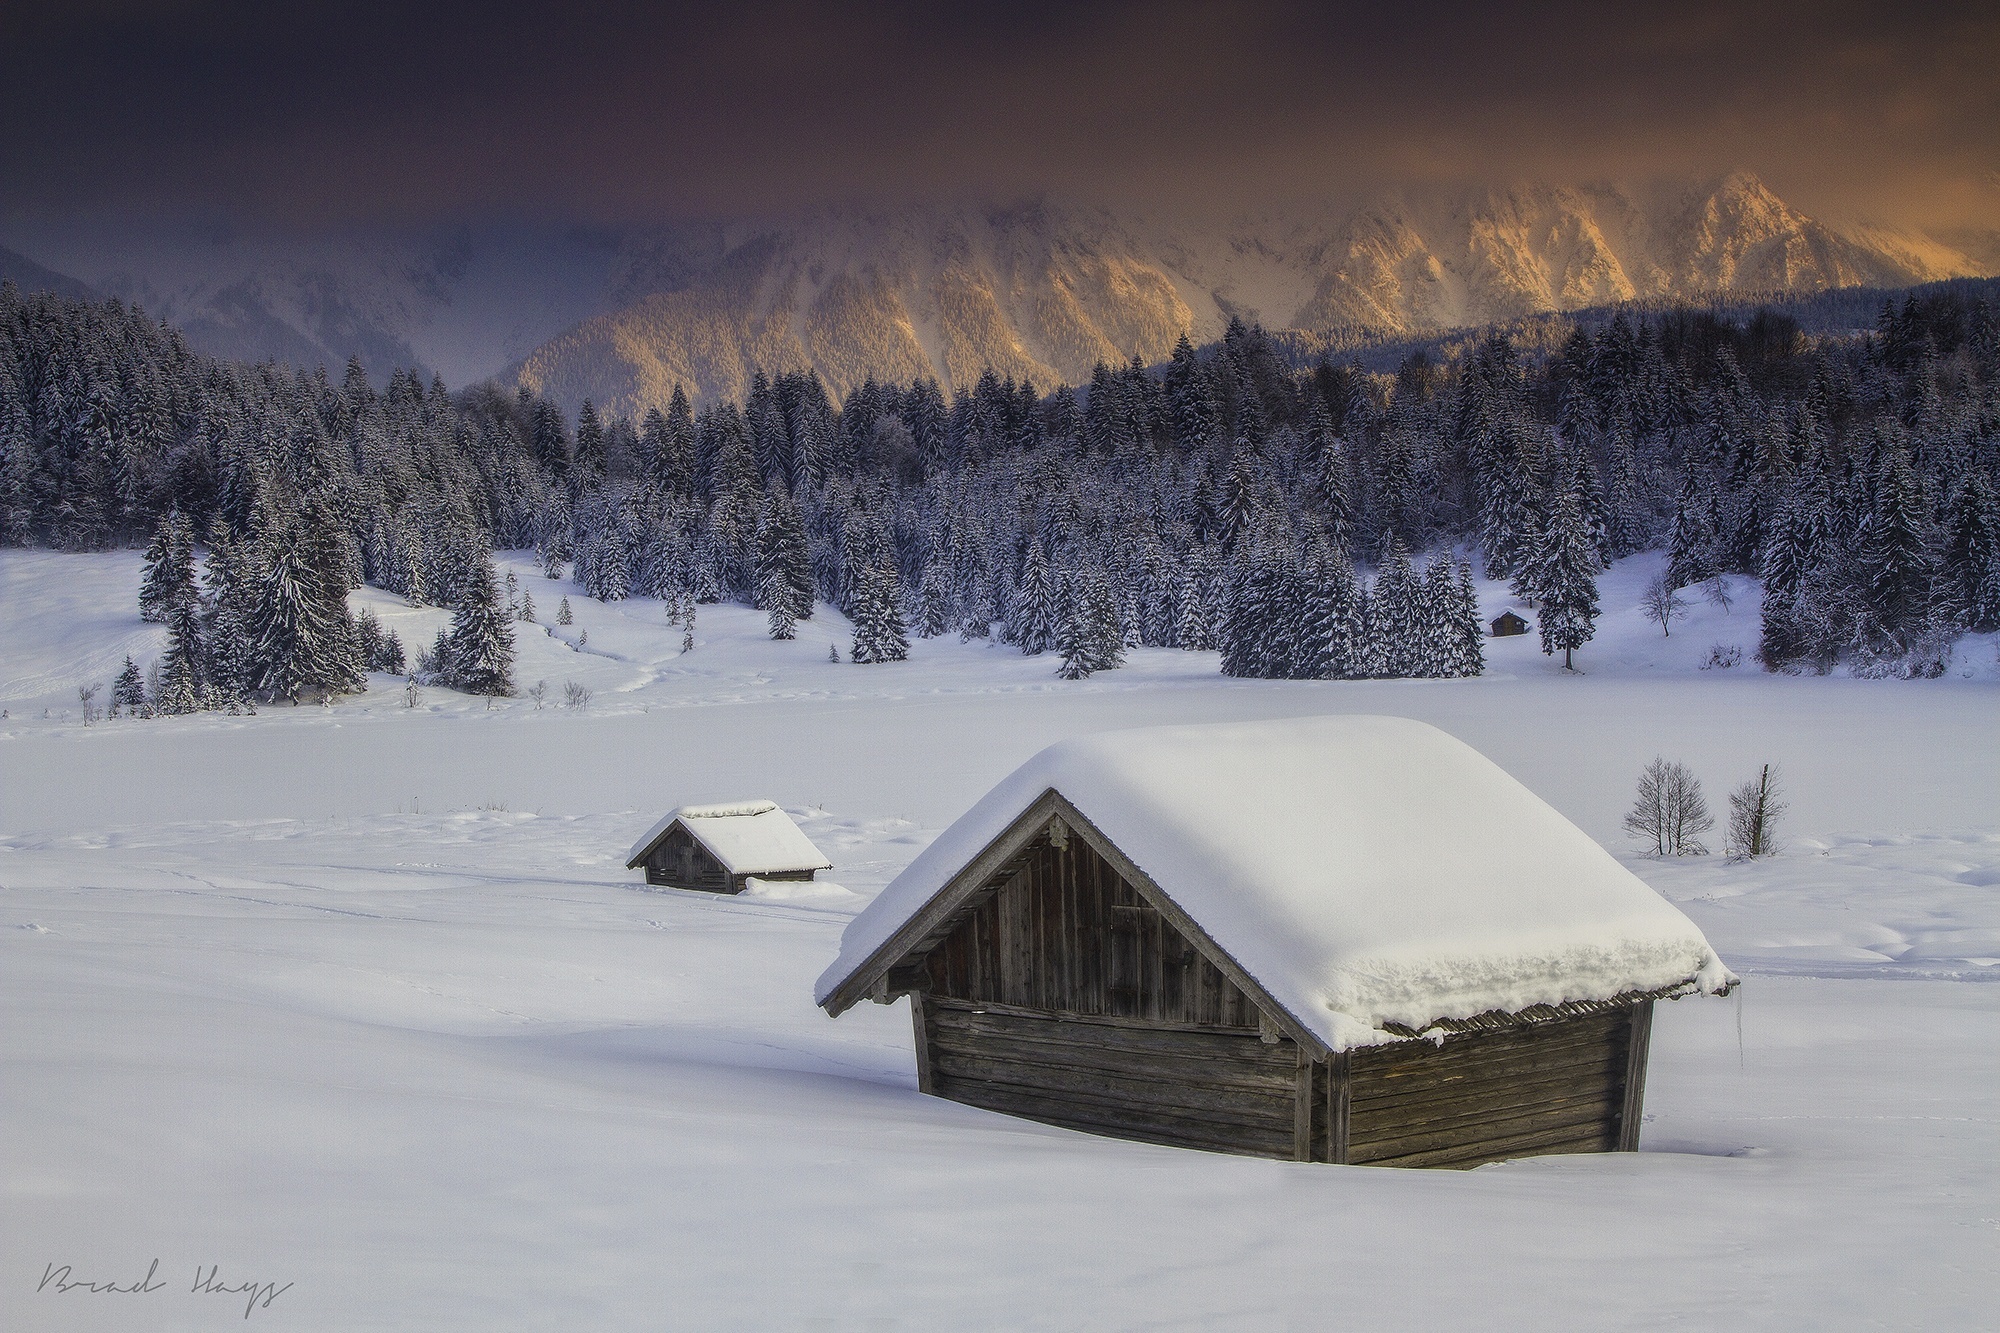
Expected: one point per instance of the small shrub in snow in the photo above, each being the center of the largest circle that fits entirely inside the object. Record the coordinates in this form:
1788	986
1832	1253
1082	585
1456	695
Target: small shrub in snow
1722	656
86	695
1754	808
413	694
538	693
576	697
1670	814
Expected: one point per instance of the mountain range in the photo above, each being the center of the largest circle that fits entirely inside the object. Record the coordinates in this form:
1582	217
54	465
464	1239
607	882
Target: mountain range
1040	290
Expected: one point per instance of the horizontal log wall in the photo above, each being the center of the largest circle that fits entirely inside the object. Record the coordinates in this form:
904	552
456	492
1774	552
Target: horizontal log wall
1068	934
1549	1087
1190	1086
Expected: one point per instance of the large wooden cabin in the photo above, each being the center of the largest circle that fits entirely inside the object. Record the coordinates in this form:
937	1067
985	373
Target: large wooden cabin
1139	983
720	848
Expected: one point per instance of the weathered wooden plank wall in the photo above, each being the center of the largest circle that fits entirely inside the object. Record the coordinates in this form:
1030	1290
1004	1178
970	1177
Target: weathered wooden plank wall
1548	1087
1222	1089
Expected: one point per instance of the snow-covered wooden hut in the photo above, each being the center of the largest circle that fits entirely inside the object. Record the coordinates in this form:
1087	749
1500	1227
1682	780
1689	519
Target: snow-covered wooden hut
720	847
1509	623
1287	939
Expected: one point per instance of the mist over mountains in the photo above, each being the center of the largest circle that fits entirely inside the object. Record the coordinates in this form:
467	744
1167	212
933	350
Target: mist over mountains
1041	290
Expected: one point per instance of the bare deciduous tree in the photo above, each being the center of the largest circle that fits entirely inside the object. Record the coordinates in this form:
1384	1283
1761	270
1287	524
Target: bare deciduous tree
576	696
1662	604
1754	808
1671	813
539	693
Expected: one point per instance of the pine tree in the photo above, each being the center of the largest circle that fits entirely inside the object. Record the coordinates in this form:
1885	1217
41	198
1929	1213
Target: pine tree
1467	634
478	655
300	639
784	561
879	632
1091	638
1972	552
169	568
563	614
1563	580
1896	556
1394	616
1037	619
129	692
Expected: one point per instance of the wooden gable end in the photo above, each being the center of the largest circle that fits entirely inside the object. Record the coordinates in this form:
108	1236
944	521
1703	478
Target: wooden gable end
680	861
1068	934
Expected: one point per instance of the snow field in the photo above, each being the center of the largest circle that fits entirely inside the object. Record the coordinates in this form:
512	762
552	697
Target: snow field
362	999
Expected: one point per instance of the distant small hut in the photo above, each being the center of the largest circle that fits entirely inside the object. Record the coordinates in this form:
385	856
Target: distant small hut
1285	939
1509	623
718	848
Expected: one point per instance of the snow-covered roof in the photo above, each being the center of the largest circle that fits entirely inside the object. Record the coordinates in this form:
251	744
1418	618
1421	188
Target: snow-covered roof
1363	871
748	837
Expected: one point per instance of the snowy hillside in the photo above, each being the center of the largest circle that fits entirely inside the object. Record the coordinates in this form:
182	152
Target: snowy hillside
361	999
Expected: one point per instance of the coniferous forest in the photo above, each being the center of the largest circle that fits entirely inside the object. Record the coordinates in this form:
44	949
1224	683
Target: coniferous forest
1316	523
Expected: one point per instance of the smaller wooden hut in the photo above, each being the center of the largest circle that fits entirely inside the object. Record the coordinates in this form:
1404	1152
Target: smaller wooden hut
1509	623
720	848
1285	939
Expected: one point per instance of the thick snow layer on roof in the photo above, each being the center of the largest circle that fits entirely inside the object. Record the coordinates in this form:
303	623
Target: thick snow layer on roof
748	837
1364	870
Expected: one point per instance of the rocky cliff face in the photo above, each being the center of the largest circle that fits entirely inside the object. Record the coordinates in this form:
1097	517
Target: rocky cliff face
1039	291
1045	291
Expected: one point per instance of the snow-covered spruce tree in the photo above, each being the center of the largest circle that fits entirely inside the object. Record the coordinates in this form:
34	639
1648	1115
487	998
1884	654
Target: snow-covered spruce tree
1896	558
564	616
784	560
775	595
300	640
169	578
1256	600
1329	626
1036	618
1091	639
1467	633
933	609
1670	814
1393	616
478	655
1437	618
1563	580
879	632
128	692
1972	552
1691	553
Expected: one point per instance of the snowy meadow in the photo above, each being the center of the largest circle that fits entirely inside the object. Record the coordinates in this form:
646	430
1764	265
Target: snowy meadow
356	1011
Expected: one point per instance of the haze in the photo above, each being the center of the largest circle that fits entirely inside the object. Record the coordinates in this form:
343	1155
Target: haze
378	114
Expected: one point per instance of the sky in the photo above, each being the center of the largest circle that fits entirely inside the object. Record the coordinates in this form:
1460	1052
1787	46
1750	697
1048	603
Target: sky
359	112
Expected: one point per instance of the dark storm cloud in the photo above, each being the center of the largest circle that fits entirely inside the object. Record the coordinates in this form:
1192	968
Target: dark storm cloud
362	112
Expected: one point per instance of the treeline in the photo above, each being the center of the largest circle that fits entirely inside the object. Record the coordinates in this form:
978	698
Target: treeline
1221	501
